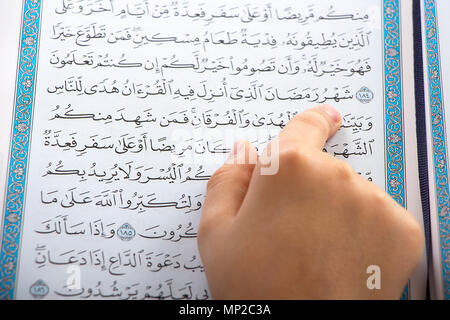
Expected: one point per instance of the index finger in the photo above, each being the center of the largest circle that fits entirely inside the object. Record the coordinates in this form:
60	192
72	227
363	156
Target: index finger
311	128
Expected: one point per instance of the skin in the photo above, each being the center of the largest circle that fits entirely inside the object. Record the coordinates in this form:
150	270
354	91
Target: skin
310	231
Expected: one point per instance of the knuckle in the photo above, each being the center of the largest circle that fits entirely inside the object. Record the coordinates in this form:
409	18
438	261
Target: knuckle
203	230
410	238
416	230
343	171
206	228
294	158
379	198
370	203
229	174
415	234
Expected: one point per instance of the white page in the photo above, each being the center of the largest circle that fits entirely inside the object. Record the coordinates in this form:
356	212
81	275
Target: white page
100	68
436	31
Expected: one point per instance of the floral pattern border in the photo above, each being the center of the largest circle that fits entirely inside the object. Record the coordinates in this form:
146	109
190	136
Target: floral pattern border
395	165
20	142
437	116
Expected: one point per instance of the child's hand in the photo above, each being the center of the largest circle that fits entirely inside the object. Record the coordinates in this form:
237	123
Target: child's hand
310	231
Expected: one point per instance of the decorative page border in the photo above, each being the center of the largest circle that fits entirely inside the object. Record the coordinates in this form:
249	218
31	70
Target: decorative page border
437	116
395	170
20	143
393	103
395	174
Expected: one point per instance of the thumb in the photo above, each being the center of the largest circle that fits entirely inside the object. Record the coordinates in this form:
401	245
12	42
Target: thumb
228	186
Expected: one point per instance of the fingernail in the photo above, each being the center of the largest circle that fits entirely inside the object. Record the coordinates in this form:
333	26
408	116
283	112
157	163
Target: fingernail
332	112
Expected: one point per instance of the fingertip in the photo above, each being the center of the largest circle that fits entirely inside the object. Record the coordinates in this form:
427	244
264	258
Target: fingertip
333	115
313	127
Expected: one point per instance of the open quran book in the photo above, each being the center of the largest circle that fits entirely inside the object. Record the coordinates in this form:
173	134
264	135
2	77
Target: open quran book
117	112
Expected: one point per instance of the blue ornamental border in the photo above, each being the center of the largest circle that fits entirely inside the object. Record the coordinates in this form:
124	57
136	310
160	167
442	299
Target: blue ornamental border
20	143
393	103
437	116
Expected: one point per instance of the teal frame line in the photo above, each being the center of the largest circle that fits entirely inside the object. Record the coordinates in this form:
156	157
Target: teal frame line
394	137
22	124
20	143
437	116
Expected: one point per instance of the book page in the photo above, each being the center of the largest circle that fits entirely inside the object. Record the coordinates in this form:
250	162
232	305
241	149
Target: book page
125	109
436	36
